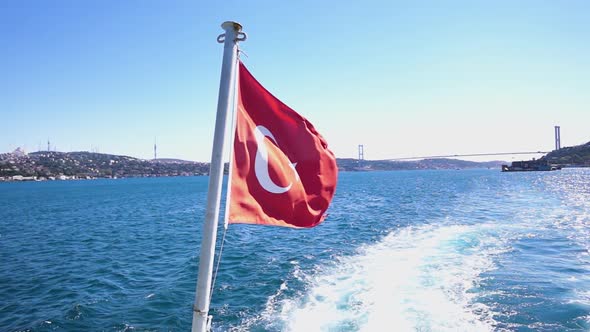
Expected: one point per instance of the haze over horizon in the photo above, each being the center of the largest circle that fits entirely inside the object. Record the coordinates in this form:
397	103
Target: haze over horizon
403	79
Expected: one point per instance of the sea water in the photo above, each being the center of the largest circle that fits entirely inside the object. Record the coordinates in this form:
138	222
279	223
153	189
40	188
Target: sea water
469	250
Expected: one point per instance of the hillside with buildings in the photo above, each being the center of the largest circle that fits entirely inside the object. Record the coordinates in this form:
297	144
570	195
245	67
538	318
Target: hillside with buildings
52	165
573	156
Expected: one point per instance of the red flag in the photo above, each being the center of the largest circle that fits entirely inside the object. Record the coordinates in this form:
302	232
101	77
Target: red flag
282	173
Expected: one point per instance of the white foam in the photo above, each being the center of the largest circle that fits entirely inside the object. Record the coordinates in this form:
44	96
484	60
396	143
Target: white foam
415	279
581	297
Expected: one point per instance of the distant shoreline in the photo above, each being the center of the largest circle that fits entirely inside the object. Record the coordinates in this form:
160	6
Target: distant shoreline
6	180
54	165
74	178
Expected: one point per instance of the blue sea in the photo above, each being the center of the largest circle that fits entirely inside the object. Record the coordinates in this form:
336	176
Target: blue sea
468	250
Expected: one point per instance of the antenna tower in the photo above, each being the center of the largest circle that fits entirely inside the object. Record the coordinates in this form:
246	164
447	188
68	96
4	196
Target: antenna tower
361	154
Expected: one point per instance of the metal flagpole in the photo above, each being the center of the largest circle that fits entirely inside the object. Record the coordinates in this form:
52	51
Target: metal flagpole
233	34
233	125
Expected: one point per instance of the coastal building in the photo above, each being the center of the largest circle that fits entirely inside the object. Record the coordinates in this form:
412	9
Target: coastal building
23	178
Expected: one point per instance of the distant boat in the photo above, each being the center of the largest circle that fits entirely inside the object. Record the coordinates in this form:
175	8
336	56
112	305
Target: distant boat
530	166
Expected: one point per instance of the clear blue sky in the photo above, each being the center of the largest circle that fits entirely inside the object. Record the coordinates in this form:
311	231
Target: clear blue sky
403	78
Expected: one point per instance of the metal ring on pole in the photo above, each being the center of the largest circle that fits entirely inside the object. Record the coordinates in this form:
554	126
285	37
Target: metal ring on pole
221	38
241	36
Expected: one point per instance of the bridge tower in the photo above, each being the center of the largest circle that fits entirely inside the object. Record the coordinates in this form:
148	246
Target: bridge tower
557	138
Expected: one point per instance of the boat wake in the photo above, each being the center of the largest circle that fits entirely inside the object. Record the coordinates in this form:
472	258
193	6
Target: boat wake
415	279
504	256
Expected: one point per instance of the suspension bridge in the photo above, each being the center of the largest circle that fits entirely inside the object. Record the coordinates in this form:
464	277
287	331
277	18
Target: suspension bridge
361	155
467	155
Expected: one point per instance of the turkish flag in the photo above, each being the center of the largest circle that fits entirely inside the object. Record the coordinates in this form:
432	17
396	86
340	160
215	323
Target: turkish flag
282	172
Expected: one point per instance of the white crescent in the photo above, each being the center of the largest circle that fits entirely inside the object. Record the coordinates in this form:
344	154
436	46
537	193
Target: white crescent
261	163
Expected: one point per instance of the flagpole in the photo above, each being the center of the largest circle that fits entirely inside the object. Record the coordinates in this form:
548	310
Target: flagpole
230	39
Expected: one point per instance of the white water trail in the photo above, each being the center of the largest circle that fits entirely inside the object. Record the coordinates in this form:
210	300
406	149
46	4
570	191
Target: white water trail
414	279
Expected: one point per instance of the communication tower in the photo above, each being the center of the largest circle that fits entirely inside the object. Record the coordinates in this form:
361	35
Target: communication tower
361	154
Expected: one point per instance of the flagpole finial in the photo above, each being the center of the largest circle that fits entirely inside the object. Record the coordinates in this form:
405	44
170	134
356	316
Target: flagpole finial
233	29
231	24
